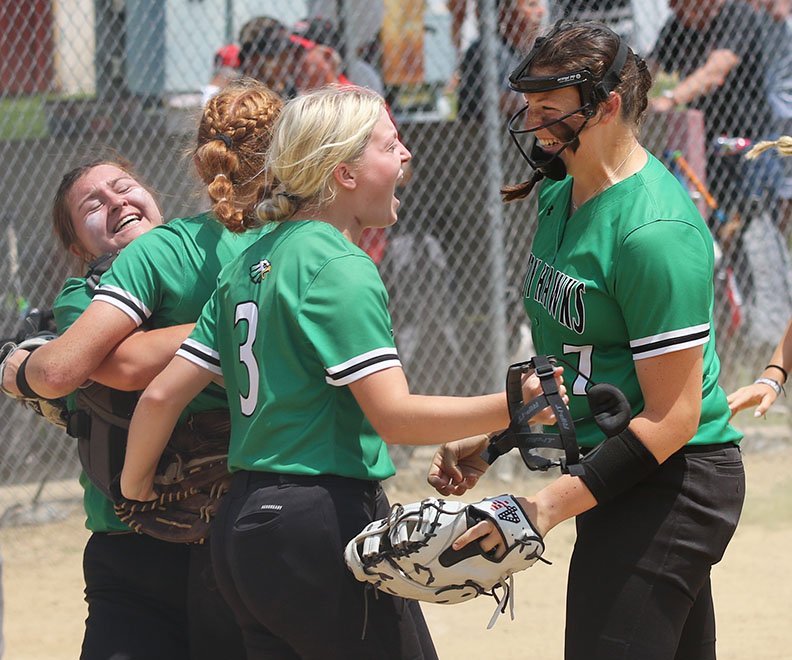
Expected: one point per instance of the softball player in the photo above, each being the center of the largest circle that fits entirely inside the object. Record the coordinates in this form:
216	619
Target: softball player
619	284
300	330
133	584
164	278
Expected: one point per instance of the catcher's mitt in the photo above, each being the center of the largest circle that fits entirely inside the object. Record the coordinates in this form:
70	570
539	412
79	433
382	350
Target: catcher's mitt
191	478
409	553
53	410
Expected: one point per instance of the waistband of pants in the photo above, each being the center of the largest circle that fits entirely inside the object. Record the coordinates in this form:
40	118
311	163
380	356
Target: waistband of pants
254	478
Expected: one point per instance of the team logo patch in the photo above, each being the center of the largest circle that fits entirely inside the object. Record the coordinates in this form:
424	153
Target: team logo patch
505	511
259	270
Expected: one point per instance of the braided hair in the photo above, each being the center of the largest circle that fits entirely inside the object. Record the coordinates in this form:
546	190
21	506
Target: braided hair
231	152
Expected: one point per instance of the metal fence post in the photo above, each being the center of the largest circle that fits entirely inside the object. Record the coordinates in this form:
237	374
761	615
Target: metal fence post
494	206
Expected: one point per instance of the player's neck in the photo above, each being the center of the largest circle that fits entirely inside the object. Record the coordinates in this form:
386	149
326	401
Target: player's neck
598	175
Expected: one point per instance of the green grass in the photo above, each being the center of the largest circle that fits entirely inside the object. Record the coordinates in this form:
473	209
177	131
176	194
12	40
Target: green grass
22	118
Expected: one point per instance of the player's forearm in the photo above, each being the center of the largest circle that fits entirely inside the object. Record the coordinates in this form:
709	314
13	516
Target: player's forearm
134	363
429	420
64	364
149	431
564	498
155	417
708	77
782	357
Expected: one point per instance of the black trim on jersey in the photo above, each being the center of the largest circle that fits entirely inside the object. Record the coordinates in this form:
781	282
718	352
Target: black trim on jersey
108	293
673	341
362	365
203	356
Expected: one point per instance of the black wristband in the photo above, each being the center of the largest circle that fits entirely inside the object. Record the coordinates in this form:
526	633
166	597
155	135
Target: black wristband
780	368
615	466
21	380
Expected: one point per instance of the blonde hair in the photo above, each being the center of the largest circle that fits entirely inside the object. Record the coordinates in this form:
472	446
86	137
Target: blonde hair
233	139
783	146
313	135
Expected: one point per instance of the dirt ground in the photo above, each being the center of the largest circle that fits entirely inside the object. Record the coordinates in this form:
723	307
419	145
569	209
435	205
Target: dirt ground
44	610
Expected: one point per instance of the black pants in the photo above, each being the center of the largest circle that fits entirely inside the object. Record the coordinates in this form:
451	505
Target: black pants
639	579
278	544
153	600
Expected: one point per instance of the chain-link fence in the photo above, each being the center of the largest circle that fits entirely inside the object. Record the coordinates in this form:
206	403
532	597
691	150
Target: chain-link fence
81	79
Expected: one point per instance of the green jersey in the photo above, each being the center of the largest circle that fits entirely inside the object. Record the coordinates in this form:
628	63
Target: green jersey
296	318
166	276
626	277
163	278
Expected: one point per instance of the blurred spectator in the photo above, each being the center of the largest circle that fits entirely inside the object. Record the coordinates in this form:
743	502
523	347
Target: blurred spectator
321	30
517	22
616	14
268	54
779	95
720	51
778	10
226	69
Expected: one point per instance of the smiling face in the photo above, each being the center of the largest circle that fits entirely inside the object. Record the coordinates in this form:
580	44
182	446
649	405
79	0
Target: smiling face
109	209
379	170
547	107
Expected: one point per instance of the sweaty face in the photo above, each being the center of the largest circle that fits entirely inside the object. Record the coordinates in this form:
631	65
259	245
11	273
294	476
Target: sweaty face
109	209
379	170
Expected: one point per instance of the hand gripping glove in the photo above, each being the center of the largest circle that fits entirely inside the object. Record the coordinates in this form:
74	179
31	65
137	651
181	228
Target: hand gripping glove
409	553
191	478
53	410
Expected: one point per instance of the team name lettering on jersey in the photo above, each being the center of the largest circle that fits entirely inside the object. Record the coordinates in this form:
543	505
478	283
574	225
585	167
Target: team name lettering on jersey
560	294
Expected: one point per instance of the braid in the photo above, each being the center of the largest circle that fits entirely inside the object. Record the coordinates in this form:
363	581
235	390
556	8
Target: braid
521	190
233	140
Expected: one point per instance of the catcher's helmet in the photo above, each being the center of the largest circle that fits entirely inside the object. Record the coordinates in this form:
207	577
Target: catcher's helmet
591	95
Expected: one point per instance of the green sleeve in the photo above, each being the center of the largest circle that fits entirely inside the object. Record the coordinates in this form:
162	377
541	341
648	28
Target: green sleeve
664	285
344	315
72	301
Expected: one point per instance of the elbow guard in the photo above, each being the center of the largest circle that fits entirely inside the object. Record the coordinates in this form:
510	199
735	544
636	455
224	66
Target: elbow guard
615	466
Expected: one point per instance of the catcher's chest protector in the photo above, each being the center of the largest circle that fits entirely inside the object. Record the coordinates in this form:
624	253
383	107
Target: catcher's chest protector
100	423
101	419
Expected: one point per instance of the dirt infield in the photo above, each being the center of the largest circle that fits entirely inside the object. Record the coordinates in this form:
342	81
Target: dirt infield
753	588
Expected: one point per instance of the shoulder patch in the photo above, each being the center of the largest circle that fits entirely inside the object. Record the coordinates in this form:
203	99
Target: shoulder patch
259	270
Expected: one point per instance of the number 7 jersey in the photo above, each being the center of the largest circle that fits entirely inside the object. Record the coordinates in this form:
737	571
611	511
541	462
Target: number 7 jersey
626	277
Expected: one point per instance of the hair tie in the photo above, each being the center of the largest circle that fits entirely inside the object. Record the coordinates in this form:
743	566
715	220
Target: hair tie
224	139
217	176
640	62
291	197
222	199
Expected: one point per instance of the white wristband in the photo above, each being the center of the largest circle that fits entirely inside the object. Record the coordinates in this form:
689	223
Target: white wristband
772	383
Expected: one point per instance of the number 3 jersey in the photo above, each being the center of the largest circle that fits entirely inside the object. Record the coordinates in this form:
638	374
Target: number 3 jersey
300	315
627	277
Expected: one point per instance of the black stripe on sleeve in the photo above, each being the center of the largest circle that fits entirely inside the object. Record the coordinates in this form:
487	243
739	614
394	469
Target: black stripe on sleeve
210	359
638	350
362	365
107	293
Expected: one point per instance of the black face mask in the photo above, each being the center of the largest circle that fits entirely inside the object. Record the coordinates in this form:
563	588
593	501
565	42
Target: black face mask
550	165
